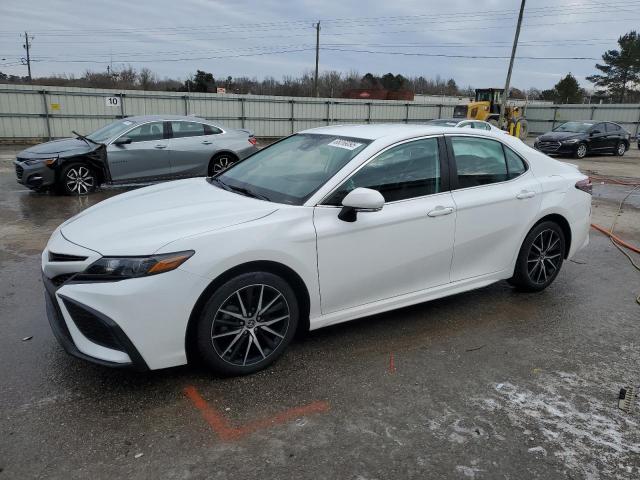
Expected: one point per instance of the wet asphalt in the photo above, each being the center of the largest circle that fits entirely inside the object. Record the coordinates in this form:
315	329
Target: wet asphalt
486	384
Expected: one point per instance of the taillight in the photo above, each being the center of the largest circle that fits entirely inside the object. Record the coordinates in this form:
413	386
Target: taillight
585	185
253	141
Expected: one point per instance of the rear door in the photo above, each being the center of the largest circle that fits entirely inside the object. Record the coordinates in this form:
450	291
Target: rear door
614	135
191	147
495	196
146	157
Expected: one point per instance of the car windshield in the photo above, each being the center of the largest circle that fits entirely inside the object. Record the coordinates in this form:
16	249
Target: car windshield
109	131
291	170
444	122
575	127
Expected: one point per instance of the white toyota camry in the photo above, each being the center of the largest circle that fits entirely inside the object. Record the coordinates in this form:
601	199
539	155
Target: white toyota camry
324	226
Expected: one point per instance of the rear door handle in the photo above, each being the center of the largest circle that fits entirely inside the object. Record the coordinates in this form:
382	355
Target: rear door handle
160	146
439	211
206	142
525	194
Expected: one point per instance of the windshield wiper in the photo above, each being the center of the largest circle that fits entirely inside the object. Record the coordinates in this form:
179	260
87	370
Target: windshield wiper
86	139
241	190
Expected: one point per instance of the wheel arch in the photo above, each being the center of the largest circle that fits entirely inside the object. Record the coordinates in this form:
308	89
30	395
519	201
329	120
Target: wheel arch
563	223
277	268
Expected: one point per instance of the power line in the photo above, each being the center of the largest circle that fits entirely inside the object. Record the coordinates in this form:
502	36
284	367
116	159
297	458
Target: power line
445	55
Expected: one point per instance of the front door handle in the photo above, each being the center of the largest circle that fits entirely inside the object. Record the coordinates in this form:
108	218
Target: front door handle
206	142
525	194
439	211
160	146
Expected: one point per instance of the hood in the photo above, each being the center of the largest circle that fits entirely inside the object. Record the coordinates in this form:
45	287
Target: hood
141	221
63	147
560	136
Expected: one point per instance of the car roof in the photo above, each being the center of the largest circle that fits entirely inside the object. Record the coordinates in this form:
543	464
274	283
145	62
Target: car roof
150	118
392	132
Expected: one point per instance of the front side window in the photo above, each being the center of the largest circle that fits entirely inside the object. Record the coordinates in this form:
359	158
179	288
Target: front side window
291	170
146	132
406	171
481	161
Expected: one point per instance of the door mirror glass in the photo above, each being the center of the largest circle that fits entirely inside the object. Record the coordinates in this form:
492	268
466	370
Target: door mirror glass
122	141
360	200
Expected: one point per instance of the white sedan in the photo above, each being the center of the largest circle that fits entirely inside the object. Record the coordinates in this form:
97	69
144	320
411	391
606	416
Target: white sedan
322	227
466	123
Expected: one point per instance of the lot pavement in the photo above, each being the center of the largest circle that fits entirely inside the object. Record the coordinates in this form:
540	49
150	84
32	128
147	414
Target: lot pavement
486	384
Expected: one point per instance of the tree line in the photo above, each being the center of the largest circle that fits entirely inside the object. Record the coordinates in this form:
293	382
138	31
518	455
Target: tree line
618	81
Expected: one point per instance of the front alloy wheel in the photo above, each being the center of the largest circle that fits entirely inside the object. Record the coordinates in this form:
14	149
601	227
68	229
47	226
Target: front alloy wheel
77	179
581	151
247	323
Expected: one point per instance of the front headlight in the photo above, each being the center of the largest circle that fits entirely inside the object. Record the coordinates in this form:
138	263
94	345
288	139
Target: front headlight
571	141
47	161
120	268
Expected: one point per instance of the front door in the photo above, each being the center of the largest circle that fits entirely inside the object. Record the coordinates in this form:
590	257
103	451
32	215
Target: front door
146	157
494	193
405	247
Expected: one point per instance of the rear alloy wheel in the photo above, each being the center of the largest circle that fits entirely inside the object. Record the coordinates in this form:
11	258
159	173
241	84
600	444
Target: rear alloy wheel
621	148
247	323
540	258
77	179
581	151
220	163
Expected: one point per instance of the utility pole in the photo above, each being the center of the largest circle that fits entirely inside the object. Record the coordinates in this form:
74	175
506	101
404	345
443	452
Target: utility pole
315	78
26	46
513	54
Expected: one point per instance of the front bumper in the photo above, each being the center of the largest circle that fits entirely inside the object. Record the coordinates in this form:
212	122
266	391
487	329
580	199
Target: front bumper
34	176
137	323
563	149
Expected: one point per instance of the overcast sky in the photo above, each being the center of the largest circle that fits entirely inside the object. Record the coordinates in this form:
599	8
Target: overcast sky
276	37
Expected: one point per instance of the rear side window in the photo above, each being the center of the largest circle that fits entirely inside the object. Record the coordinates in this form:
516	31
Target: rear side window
481	126
515	165
192	129
481	161
612	127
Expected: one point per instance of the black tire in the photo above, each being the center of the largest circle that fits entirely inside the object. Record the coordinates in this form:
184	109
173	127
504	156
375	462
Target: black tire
621	149
76	179
581	150
220	162
236	342
540	258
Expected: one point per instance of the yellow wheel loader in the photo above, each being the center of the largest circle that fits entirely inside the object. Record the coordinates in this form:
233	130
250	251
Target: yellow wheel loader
486	106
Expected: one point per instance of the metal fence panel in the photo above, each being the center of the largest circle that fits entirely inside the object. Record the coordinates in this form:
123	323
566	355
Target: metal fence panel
38	112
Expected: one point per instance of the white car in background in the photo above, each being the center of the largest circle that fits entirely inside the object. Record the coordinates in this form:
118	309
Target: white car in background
466	123
322	227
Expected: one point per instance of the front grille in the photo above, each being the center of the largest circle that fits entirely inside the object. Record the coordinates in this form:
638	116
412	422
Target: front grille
60	279
548	146
19	171
63	257
92	327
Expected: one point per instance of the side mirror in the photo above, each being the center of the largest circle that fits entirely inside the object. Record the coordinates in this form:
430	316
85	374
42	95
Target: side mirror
122	141
360	200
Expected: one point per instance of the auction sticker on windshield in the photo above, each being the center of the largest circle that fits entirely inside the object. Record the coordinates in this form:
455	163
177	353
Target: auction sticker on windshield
346	144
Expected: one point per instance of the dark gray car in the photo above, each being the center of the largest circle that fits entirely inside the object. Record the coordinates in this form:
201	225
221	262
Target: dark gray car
135	149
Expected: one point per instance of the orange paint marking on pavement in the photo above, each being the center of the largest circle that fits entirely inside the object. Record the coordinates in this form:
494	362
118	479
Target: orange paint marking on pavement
225	431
